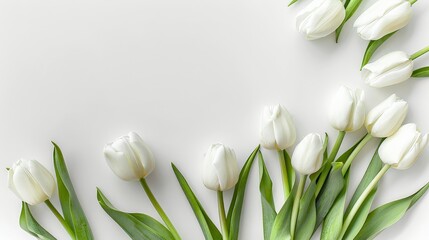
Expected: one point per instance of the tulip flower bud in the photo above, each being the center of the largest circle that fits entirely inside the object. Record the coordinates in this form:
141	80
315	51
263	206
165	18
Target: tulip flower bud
31	181
402	149
348	110
220	171
382	18
307	157
320	18
386	118
277	128
391	69
129	157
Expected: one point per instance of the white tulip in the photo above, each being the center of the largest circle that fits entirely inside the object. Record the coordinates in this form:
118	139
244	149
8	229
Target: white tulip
320	18
31	181
386	118
129	157
382	18
307	157
391	69
277	128
402	149
348	109
220	171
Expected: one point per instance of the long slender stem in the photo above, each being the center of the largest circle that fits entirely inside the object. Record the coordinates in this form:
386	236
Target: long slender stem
222	216
362	198
355	152
331	158
419	53
412	1
285	179
159	209
60	219
295	207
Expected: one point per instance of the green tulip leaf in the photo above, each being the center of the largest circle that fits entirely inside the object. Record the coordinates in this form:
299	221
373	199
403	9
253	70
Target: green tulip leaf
30	225
209	229
72	210
267	200
388	214
372	47
351	7
281	225
307	214
136	225
333	222
234	211
421	72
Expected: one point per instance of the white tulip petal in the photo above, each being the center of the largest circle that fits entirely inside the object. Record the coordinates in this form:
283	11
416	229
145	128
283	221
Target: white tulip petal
390	121
220	171
27	188
307	157
120	164
277	129
43	177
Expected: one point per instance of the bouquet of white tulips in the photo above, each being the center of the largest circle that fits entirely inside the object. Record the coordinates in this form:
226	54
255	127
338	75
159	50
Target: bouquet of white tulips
315	179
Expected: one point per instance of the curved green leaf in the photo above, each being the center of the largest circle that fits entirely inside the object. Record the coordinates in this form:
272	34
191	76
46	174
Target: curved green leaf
136	225
209	229
267	201
72	210
30	225
307	214
351	7
388	214
281	225
372	47
291	176
234	211
421	72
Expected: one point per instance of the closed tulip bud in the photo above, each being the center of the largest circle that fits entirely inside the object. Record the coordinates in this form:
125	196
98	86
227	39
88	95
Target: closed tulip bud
386	118
31	181
320	18
393	68
348	110
220	171
129	157
307	157
277	128
402	149
382	18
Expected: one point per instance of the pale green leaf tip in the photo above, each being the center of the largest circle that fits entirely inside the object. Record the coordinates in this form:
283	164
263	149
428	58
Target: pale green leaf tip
7	169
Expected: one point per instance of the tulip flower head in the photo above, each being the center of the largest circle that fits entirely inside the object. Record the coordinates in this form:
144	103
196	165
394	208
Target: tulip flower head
129	157
386	118
391	69
320	18
220	171
402	149
31	181
307	157
348	109
382	18
277	128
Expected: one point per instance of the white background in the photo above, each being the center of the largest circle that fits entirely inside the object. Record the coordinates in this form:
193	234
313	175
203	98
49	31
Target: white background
183	74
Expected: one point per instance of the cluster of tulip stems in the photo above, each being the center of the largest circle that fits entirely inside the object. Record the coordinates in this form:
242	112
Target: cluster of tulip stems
376	24
315	179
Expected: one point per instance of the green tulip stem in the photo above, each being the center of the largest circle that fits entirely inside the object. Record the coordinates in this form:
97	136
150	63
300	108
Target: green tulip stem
159	209
331	158
60	219
355	152
362	198
419	53
222	215
295	207
412	1
285	179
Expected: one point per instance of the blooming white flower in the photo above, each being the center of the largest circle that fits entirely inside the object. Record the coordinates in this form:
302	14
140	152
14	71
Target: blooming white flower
347	109
277	128
220	171
31	181
402	149
382	18
129	157
307	157
386	118
393	68
320	18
